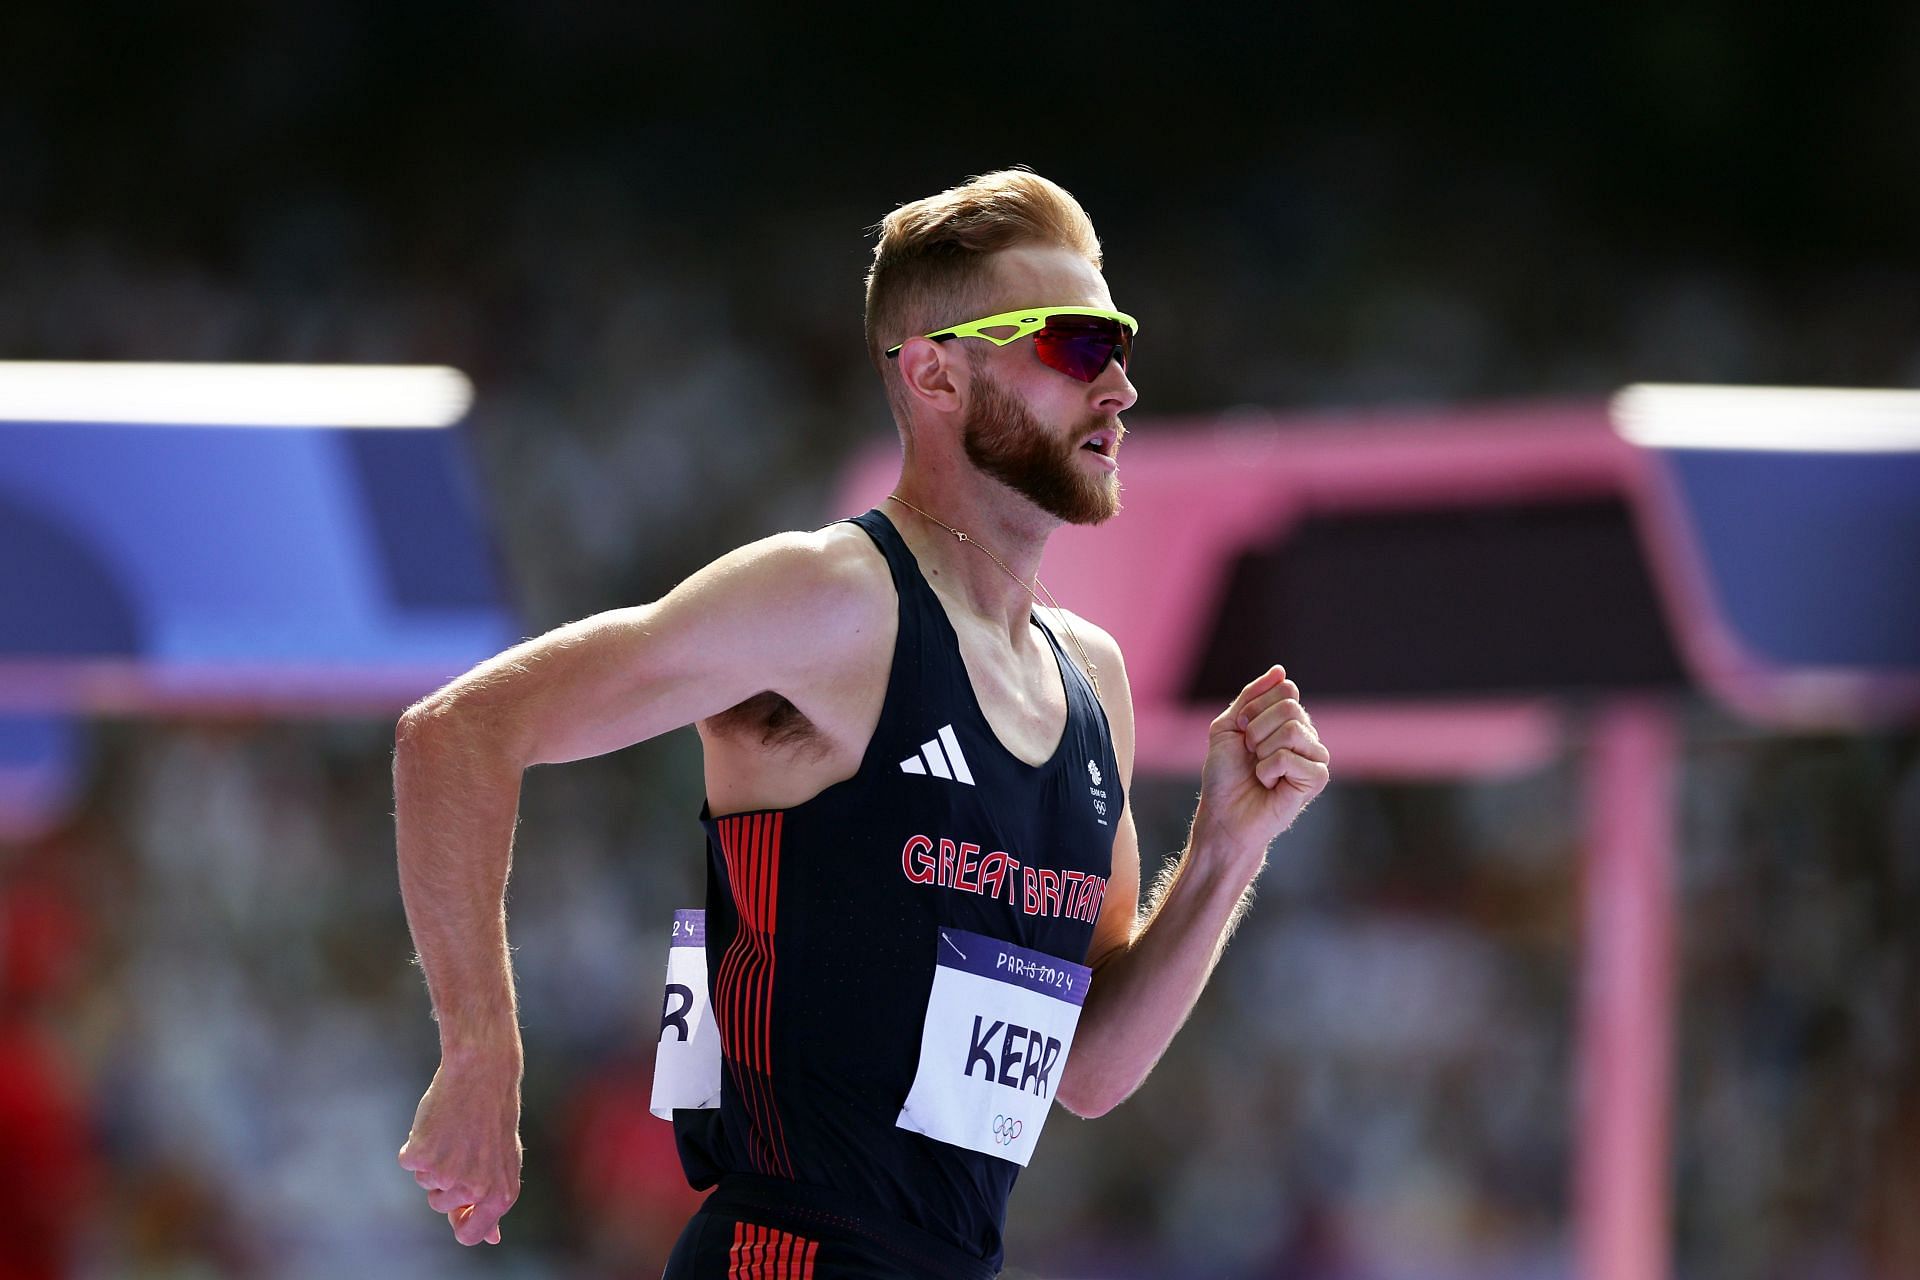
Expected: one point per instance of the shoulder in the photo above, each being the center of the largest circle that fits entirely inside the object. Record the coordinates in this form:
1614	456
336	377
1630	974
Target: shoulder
833	577
1116	694
1100	646
822	613
820	605
784	611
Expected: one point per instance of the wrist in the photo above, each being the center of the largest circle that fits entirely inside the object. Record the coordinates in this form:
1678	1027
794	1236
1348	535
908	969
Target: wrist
492	1042
1215	842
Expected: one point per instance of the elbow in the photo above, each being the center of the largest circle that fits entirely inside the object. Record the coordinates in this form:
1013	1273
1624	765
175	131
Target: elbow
408	729
447	717
1086	1108
428	716
1098	1076
1089	1106
1089	1098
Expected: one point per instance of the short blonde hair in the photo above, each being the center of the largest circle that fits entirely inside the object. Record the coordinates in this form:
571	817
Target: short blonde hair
930	267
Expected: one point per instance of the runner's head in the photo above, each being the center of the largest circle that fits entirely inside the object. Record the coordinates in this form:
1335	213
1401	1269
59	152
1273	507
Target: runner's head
1022	395
934	264
932	255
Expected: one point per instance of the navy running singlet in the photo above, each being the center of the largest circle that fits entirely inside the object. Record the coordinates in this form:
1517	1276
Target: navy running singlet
823	923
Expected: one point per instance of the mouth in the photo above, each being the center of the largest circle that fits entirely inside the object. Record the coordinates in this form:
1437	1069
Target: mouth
1105	441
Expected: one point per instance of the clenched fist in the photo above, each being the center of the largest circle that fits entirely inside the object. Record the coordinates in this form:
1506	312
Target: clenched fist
464	1148
1264	763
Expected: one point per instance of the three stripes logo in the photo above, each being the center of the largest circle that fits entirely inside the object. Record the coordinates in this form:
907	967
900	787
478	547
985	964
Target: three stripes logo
940	757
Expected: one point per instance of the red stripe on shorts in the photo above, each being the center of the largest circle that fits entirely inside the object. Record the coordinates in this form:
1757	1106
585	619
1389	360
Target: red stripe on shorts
767	1253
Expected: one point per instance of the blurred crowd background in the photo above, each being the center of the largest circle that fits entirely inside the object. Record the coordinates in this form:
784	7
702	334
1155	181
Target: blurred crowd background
642	232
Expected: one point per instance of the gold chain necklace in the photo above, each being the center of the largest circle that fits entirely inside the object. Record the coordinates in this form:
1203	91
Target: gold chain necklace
1093	672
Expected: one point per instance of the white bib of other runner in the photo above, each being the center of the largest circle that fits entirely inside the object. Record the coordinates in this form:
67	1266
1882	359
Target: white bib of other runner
686	1065
999	1026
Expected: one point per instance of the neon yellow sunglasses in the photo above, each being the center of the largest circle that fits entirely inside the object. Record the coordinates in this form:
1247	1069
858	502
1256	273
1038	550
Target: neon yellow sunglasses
1078	341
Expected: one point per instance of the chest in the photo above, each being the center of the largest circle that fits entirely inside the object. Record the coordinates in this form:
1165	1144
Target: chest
1019	688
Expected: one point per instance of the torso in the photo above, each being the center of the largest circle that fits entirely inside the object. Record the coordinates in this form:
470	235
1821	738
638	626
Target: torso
920	784
779	749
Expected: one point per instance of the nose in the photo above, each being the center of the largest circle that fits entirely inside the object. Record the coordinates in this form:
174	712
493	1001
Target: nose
1113	390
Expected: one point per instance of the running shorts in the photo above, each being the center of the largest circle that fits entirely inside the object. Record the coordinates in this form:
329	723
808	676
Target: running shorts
758	1228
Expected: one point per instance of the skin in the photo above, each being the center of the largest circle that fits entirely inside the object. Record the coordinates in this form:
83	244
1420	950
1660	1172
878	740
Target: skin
717	652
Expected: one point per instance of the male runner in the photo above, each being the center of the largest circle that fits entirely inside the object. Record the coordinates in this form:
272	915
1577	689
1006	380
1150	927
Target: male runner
923	919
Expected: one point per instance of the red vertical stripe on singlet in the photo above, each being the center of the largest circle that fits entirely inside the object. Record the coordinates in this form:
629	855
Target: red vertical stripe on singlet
750	852
729	986
721	984
763	1013
757	871
744	870
772	881
753	958
729	980
750	1013
748	856
737	869
771	855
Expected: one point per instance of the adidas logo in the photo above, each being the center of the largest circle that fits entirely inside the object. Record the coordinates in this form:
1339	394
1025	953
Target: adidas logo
948	763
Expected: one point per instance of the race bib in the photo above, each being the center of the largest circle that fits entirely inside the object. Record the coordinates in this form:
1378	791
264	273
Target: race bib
999	1027
686	1065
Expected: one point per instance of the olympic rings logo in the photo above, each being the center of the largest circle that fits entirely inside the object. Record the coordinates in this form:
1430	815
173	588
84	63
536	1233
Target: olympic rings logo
1006	1129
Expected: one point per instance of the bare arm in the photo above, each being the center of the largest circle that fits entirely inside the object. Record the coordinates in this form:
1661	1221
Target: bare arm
1264	763
581	690
584	689
455	801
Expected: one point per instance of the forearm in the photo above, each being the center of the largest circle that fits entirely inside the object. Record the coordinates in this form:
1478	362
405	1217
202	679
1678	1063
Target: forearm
456	799
1142	996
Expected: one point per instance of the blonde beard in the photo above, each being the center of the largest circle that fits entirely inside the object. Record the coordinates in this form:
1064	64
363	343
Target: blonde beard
1004	440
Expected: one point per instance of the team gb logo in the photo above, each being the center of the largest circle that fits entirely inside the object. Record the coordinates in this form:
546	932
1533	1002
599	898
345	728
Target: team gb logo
1093	771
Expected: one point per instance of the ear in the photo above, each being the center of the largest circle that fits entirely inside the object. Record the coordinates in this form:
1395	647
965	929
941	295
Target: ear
933	375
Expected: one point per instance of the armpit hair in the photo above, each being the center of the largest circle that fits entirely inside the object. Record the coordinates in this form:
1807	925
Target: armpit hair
775	721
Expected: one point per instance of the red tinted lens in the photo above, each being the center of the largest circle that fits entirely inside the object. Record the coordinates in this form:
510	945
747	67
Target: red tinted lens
1081	346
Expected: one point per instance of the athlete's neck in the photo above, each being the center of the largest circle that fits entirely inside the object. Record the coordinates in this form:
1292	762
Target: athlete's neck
1010	529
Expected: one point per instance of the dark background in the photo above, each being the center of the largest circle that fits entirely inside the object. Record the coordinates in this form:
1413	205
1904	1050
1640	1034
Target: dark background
1269	177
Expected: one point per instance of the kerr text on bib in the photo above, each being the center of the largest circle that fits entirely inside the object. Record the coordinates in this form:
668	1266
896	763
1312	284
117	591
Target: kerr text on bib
999	1026
686	1065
